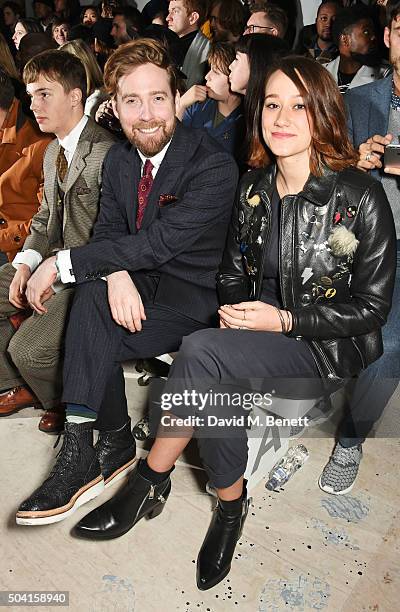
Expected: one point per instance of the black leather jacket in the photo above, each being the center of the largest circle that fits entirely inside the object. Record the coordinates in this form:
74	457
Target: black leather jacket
337	262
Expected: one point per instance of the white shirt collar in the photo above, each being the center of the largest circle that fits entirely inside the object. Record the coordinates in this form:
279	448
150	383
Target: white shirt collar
156	160
70	142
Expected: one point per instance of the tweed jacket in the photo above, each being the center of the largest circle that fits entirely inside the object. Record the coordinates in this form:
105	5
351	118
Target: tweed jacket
81	198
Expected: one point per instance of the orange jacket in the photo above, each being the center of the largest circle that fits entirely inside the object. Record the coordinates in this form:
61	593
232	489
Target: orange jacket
22	148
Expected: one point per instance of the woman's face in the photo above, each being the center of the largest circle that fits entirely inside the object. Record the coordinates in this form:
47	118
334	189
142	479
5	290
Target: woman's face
239	73
285	123
89	17
9	16
60	34
19	33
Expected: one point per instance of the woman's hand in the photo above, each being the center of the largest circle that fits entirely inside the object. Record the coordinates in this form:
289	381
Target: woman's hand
255	316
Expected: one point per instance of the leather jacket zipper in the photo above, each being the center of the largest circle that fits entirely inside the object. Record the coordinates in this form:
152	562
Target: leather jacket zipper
258	282
331	373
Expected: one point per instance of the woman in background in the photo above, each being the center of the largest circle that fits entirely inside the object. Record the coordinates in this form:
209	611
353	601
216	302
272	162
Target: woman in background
94	77
59	30
24	27
254	53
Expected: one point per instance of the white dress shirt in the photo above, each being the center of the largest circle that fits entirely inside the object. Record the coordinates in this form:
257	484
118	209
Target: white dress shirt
64	263
31	257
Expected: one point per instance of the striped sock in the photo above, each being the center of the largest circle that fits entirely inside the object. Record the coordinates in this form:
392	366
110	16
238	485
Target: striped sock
78	413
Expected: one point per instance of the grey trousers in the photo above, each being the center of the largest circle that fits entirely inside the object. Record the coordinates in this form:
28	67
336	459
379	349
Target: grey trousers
33	354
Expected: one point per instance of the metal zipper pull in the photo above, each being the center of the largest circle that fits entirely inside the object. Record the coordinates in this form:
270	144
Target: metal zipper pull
151	492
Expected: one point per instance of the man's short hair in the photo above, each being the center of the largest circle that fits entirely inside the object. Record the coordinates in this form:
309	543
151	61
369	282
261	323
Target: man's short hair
133	18
58	66
137	53
196	6
232	15
275	14
221	55
6	90
392	12
346	19
337	3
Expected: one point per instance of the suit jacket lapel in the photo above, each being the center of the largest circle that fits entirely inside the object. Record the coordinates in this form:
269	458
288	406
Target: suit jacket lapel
378	119
78	163
178	154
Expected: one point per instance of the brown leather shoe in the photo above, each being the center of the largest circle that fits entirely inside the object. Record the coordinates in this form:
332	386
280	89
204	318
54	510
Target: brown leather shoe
52	422
14	399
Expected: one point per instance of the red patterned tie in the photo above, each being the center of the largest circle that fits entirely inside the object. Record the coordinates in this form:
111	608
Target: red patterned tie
145	185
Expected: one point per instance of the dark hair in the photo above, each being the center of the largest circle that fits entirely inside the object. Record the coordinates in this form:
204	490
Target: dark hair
16	9
232	15
82	32
346	19
133	19
90	7
261	50
276	15
221	54
330	145
59	66
337	3
136	53
392	11
31	25
7	92
58	21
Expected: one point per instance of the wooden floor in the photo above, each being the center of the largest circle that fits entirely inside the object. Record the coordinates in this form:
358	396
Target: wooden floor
301	549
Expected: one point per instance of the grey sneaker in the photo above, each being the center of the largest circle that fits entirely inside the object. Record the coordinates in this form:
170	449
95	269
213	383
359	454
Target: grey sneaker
340	472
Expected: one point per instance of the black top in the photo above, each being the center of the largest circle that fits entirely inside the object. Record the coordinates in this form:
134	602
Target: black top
271	293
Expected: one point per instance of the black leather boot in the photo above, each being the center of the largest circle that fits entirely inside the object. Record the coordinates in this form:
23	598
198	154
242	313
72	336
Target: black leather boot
137	499
216	553
116	451
75	479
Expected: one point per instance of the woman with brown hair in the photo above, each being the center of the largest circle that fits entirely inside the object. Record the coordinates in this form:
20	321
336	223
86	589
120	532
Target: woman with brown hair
305	285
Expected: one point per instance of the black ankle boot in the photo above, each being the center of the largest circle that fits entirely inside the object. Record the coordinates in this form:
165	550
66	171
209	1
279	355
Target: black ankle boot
75	479
216	553
116	451
137	499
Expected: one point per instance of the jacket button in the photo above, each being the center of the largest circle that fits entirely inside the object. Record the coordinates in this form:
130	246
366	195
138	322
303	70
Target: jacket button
88	276
299	337
17	238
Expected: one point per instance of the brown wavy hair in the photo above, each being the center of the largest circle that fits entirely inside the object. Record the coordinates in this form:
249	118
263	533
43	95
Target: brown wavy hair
137	53
330	145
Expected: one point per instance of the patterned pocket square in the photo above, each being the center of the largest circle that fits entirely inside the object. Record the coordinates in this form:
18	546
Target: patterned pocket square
83	191
166	198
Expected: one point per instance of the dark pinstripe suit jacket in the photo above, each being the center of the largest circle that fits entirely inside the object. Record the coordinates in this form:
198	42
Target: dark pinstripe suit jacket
181	240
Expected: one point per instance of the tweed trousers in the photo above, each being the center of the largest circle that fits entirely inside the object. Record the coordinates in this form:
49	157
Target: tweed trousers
33	354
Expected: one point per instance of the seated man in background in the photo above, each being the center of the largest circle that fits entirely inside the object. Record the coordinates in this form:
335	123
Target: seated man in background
31	357
359	59
214	106
22	147
267	19
184	18
316	39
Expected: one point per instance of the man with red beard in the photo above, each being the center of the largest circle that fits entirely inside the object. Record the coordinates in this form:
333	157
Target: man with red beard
146	279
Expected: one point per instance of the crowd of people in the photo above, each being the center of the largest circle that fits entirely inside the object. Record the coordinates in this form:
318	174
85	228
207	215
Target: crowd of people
198	178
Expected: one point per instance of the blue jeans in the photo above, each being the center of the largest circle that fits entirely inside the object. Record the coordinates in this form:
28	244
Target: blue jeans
375	385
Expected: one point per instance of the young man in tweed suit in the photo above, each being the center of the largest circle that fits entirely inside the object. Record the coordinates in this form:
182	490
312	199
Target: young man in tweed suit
31	355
